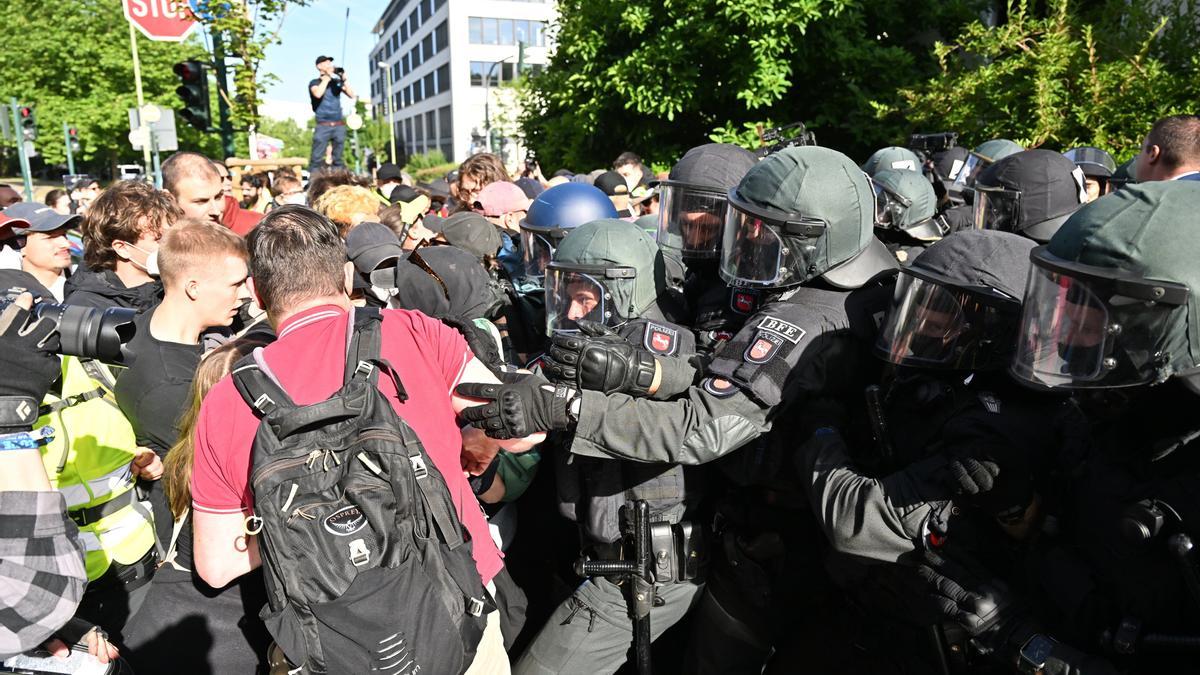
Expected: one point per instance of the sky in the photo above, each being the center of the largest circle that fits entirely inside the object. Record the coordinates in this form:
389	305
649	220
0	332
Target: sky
309	32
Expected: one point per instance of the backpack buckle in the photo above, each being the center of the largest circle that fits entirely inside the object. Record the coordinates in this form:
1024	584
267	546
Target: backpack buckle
264	404
474	606
418	466
359	555
365	369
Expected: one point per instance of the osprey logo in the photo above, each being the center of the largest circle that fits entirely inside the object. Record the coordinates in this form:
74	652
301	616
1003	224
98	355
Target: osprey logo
345	521
764	347
788	331
660	339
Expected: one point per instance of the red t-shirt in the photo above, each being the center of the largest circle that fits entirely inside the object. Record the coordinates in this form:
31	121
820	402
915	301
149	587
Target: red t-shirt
308	360
240	220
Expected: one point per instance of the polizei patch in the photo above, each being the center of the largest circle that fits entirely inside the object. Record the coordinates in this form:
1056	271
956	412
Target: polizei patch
346	521
764	348
743	301
660	339
788	331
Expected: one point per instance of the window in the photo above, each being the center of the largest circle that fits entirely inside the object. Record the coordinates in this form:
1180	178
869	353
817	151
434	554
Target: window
478	69
415	57
442	41
475	30
419	90
490	31
521	31
408	132
427	45
407	92
414	22
537	37
419	125
429	9
447	148
431	125
429	88
444	124
395	71
404	32
443	77
437	4
404	65
506	32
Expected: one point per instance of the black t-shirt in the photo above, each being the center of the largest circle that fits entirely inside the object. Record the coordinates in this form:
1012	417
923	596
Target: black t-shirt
153	392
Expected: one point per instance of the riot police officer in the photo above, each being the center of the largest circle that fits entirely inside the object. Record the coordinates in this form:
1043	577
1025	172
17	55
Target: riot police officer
1031	193
1097	166
606	282
906	218
962	190
892	157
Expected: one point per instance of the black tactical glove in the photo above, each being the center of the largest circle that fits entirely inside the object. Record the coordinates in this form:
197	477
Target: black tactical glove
518	409
968	474
983	607
600	360
29	366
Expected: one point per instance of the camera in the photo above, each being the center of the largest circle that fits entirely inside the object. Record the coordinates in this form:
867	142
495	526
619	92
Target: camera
931	144
340	72
530	161
787	136
88	332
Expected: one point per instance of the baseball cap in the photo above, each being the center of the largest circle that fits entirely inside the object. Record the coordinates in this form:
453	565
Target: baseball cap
501	197
468	231
8	224
612	183
530	187
322	59
388	171
413	204
40	218
369	245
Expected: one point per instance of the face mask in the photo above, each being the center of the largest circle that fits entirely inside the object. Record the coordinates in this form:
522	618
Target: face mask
151	265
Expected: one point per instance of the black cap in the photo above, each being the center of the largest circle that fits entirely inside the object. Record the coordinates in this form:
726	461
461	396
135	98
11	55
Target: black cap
612	183
470	290
439	188
388	171
530	187
369	245
1051	189
41	218
713	165
323	59
944	162
469	231
403	193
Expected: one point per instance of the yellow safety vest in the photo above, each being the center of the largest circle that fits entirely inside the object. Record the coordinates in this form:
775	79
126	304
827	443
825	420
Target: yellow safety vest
88	462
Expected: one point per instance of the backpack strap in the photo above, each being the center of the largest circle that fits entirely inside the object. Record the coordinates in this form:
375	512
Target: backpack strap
258	386
364	346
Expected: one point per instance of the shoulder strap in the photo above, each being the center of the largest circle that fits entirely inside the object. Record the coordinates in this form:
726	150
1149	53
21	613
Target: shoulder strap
364	346
258	387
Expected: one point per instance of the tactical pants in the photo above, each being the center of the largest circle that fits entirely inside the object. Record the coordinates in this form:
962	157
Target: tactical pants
590	633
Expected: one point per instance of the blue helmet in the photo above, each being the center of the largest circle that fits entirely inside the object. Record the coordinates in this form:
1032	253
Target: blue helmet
555	212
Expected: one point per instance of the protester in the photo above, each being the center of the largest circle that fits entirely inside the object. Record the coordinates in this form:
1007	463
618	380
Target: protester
407	220
59	200
347	206
120	236
253	187
474	174
226	177
614	186
8	196
286	189
193	181
388	178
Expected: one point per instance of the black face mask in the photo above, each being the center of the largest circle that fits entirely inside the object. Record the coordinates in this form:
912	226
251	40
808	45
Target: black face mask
1080	361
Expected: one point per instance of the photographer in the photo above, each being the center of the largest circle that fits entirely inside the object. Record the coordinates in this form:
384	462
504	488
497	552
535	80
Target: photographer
204	282
325	95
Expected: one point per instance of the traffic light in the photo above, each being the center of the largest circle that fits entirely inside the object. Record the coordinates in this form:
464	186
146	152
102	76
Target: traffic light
193	92
73	136
28	123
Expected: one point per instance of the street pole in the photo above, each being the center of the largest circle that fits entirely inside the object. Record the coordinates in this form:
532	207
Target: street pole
391	111
141	101
17	132
226	128
70	155
157	162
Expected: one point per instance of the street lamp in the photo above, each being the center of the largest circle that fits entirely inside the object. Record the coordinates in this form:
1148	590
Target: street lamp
391	108
487	100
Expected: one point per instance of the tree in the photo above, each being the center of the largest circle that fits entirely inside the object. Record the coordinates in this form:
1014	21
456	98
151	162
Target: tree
1064	78
659	78
73	65
297	141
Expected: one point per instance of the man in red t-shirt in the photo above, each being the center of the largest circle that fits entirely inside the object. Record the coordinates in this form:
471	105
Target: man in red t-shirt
300	276
194	182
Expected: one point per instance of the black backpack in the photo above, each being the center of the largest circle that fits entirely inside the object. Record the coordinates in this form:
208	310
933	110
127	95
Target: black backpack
366	564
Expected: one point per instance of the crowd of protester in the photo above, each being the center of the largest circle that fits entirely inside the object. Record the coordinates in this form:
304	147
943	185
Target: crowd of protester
555	351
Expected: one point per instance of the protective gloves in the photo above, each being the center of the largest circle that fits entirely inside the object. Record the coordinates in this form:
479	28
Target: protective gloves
518	409
600	360
29	366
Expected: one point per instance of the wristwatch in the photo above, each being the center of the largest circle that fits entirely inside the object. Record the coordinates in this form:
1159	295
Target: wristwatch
1034	654
573	408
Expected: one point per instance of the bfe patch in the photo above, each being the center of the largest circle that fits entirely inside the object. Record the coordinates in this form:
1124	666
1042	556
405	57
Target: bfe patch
660	339
788	331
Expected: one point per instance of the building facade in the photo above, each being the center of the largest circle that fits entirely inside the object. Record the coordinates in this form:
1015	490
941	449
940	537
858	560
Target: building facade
447	61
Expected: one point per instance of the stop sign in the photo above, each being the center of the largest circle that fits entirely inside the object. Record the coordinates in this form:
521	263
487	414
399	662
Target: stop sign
168	20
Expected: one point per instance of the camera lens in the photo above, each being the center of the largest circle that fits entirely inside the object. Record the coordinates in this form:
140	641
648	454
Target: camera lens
101	334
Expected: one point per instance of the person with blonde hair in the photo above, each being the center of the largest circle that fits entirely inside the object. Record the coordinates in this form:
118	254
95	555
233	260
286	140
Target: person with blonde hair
347	206
225	634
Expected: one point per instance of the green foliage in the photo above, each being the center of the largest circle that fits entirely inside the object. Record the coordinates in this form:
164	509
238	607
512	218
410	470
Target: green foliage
432	173
1061	78
297	142
658	78
71	61
425	160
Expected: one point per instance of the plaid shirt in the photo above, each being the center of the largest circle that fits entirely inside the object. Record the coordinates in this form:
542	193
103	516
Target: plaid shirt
41	569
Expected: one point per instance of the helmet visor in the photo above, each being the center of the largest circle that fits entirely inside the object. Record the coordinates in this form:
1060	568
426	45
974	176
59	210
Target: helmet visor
690	219
754	254
571	296
889	207
1080	331
536	252
936	325
997	209
970	170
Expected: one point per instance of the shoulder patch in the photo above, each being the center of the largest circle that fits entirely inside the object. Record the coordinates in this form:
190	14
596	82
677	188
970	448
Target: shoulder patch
743	301
719	387
660	339
990	402
788	331
764	348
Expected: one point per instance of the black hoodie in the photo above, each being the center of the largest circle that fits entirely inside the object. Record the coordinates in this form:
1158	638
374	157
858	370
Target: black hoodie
103	289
